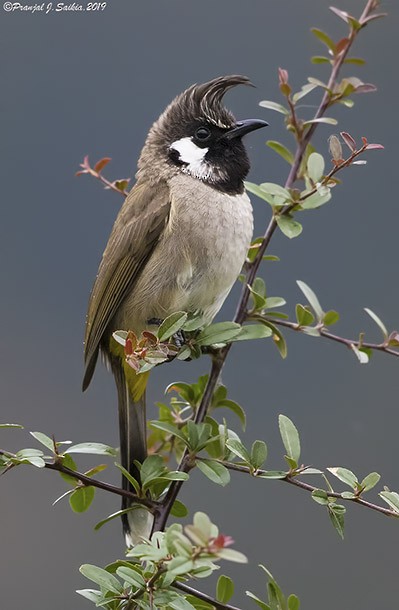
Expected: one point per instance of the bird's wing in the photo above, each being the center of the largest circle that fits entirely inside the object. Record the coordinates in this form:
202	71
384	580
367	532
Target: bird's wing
137	229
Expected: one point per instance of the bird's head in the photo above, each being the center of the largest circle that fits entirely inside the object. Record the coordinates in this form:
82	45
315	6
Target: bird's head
198	136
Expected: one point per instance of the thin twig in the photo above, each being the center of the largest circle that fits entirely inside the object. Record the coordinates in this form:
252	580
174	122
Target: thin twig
206	598
350	343
89	482
310	488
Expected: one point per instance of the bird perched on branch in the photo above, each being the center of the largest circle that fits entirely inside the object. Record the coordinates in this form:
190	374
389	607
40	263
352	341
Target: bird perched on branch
178	244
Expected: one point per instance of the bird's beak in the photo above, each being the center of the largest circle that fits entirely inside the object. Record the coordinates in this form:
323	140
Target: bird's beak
243	127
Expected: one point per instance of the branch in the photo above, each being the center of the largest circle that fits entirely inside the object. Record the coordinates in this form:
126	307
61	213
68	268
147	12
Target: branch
350	343
86	481
219	359
119	186
297	483
206	598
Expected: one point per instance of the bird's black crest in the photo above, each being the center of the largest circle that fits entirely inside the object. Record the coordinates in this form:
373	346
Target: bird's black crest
205	100
198	103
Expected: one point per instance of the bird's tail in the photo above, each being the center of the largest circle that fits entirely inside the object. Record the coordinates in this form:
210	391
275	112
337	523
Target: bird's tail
138	522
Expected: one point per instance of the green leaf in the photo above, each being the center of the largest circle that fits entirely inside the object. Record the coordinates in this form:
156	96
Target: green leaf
315	167
44	440
336	514
324	38
93	448
258	454
180	603
256	190
304	317
103	578
253	331
315	201
273	106
290	227
391	498
281	150
276	190
120	337
232	555
272	302
312	298
346	102
166	427
91	595
345	475
81	499
378	321
370	481
320	496
179	509
11	426
272	474
293	602
258	601
220	332
330	318
258	293
320	59
311	471
278	338
235	408
131	576
290	437
115	515
305	90
171	325
327	120
360	354
224	589
68	462
96	470
238	449
349	495
216	472
358	61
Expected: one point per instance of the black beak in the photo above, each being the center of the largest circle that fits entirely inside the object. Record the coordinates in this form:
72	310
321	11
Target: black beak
243	127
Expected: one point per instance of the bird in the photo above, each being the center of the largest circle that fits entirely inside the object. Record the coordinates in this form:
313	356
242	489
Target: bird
178	243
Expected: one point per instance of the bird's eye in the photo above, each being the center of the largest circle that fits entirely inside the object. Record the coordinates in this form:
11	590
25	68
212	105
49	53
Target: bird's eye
203	134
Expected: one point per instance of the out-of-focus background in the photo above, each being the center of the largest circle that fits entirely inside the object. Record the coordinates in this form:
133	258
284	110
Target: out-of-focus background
76	83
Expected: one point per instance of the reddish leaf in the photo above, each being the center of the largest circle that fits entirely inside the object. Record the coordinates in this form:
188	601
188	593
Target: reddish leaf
349	141
282	76
374	147
101	164
365	88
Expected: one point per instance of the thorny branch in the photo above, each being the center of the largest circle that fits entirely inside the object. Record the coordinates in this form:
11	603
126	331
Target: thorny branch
350	343
293	480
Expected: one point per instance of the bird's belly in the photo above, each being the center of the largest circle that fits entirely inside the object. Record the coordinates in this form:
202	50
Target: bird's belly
196	262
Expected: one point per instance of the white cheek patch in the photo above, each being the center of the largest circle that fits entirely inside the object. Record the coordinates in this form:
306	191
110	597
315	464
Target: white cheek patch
193	157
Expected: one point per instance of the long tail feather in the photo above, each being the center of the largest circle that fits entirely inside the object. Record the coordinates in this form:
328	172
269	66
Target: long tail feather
133	447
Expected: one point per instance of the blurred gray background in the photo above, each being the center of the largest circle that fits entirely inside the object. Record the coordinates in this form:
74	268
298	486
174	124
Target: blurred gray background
92	83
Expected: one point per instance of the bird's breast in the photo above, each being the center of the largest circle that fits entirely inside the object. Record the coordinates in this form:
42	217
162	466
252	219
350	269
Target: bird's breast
198	257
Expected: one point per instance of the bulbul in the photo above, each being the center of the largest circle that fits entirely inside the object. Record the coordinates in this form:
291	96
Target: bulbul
178	244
